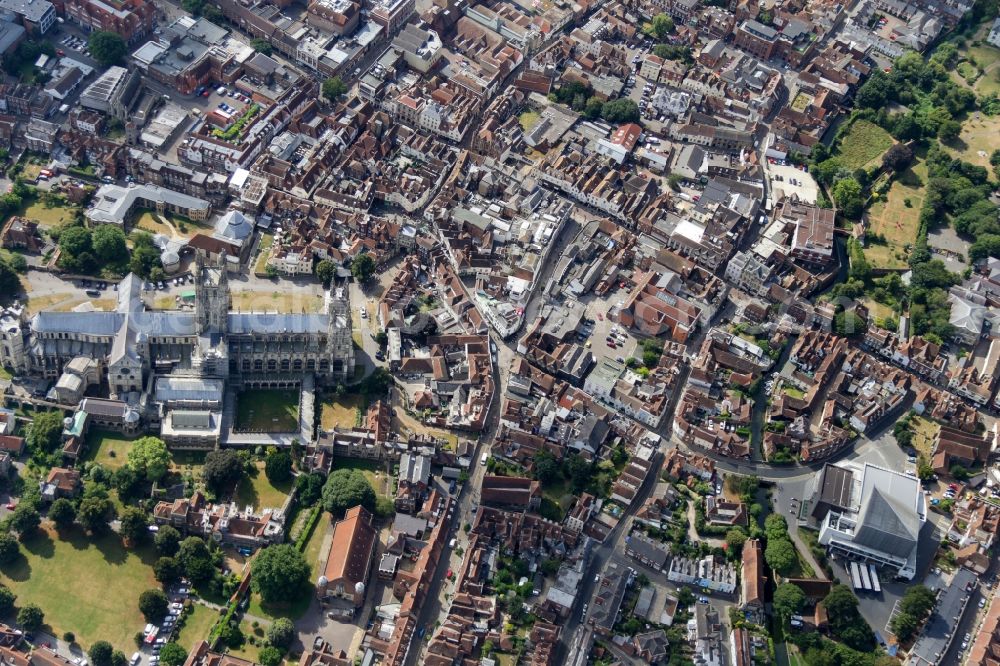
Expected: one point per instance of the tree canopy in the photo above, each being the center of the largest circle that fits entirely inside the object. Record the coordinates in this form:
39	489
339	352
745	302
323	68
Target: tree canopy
153	605
172	654
333	88
223	468
107	48
133	524
149	457
45	433
279	573
30	617
62	512
788	600
196	559
347	488
278	466
100	653
363	267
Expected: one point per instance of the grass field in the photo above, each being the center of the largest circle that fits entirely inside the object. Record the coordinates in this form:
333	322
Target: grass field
528	119
892	219
314	547
264	252
340	412
924	432
792	391
877	310
107	448
864	143
260	492
197	626
46	217
176	228
87	585
979	138
269	411
275	301
247	651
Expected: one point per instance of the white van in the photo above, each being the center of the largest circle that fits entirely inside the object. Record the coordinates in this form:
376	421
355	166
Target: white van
484	458
136	657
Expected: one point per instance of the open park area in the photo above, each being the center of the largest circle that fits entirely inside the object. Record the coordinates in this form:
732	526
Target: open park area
862	145
89	585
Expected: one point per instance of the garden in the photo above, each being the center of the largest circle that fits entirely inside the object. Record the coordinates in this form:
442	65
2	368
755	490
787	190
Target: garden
267	411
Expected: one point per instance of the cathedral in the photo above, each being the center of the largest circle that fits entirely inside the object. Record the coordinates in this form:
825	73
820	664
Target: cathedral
133	346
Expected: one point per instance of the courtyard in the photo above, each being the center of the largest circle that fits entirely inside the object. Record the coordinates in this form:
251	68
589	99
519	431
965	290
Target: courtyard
267	411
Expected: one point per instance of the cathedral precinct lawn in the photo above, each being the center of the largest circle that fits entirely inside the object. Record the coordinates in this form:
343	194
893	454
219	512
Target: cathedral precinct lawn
341	412
84	584
268	411
196	626
260	492
107	448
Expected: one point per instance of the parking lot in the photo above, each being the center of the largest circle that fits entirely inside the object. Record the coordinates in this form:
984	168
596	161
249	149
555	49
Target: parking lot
622	344
787	180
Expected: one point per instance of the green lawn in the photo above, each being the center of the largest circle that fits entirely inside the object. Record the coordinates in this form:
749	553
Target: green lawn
793	392
340	412
864	143
47	217
794	656
264	253
313	551
268	411
292	611
896	222
107	448
196	626
260	492
528	120
248	651
87	585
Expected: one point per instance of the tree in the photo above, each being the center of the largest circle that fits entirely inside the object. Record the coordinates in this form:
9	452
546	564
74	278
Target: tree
9	282
45	433
847	195
325	270
382	338
281	633
167	540
269	656
167	570
620	111
898	157
9	549
848	324
661	26
118	658
172	654
109	244
7	599
309	487
333	88
788	600
347	488
100	653
107	48
917	601
194	7
25	519
30	617
904	625
780	555
735	538
279	573
196	559
546	468
153	604
62	512
149	455
362	267
95	513
840	602
262	46
223	468
278	467
134	525
949	130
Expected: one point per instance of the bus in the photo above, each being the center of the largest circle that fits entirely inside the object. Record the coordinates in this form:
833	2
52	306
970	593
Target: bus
864	576
855	576
874	575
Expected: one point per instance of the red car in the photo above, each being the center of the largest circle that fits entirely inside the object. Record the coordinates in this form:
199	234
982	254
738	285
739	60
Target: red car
206	93
600	316
10	506
60	53
449	573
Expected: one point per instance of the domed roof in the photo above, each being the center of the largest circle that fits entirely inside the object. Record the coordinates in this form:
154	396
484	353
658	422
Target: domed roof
322	581
234	224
